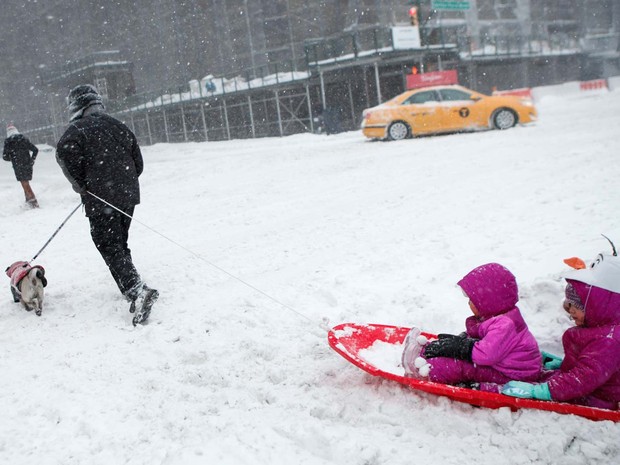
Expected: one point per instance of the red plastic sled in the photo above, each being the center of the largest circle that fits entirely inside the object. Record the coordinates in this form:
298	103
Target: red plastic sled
349	339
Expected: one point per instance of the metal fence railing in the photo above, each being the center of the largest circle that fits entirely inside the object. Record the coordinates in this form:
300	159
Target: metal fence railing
349	44
489	46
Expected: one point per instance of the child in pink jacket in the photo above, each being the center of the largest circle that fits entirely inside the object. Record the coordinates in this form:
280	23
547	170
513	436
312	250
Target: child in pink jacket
589	373
496	347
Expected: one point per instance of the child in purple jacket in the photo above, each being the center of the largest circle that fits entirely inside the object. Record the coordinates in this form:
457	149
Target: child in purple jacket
496	347
589	374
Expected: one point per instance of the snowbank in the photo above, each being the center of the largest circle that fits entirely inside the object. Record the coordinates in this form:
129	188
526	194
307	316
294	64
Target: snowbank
234	367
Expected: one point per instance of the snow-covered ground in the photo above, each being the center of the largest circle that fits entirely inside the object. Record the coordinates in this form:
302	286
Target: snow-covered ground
256	243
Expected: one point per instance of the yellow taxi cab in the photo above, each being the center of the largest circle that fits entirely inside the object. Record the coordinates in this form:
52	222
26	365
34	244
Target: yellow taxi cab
441	109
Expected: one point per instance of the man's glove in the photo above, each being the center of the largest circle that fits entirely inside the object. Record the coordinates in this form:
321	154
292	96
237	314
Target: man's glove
527	390
448	345
550	361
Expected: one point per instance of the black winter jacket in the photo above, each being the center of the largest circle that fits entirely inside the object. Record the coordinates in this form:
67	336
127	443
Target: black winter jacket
17	150
98	153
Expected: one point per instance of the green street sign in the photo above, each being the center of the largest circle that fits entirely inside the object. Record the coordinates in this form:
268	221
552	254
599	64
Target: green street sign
450	5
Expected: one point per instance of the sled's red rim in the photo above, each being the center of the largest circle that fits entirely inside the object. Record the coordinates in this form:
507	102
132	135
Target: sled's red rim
352	338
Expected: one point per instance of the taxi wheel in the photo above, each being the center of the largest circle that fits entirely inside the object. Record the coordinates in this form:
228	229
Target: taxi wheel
398	130
504	118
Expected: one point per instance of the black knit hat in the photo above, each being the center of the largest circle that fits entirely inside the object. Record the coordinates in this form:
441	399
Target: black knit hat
82	97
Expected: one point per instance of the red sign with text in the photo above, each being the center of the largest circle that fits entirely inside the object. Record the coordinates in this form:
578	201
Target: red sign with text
435	78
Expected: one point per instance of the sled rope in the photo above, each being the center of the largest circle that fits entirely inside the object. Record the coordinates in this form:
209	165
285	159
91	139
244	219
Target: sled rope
322	325
55	232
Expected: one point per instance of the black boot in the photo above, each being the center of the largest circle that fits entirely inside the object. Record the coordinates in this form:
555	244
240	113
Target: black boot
141	306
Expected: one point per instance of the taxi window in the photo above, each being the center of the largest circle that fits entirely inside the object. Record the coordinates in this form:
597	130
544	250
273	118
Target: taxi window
422	97
454	94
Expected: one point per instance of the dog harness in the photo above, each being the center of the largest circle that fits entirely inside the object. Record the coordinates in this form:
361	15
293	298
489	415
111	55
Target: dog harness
18	271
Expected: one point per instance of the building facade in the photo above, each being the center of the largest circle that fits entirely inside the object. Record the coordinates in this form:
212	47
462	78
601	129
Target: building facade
168	43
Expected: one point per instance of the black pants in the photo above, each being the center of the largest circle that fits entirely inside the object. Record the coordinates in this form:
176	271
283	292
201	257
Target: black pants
110	231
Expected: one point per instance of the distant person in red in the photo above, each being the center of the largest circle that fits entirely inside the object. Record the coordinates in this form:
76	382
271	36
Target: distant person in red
22	153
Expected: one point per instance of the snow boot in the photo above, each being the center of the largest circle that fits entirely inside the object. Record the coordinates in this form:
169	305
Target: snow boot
412	347
141	307
32	203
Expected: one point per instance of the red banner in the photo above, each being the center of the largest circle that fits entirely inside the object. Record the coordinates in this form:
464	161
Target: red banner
593	85
435	78
523	92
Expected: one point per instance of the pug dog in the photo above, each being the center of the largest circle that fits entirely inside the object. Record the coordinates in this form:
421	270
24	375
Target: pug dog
27	285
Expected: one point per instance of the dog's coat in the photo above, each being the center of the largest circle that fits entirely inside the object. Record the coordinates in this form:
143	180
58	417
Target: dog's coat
27	283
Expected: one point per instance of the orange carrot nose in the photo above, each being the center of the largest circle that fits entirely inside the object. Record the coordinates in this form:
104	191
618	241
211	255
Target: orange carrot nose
575	262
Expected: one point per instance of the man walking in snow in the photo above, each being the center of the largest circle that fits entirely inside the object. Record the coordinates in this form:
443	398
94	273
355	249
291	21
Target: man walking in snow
100	157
